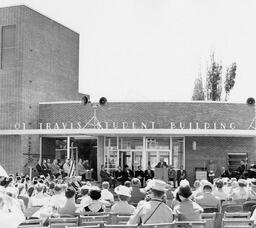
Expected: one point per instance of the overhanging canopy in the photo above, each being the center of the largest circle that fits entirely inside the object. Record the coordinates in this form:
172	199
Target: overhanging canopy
102	132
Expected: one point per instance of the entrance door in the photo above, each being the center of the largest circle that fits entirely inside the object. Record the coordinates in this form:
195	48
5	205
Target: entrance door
131	158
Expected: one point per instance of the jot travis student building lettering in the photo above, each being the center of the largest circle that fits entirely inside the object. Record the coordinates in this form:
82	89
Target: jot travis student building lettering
42	115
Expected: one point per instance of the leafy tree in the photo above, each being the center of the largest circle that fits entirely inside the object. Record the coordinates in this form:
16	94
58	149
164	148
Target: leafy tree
214	81
198	93
230	79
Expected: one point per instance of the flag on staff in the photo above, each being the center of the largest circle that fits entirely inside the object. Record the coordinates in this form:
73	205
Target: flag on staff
72	166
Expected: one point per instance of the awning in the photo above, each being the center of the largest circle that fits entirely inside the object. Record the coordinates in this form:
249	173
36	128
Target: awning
141	132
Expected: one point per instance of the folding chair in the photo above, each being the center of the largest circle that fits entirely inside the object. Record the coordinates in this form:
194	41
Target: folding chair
31	223
63	222
236	215
191	224
119	226
91	226
209	218
237	223
94	220
248	205
122	219
233	208
158	225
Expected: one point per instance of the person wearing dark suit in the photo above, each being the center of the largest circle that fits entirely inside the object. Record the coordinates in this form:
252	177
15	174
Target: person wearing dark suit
181	174
140	175
149	173
224	172
162	164
119	176
127	174
39	168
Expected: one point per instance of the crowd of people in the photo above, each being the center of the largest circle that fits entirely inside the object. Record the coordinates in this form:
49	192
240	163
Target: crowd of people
157	202
147	200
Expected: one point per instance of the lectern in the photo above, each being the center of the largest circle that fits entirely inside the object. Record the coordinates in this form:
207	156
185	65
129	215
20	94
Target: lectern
162	174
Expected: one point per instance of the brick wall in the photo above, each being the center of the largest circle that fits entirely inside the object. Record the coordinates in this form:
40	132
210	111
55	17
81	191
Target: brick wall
161	113
217	149
47	70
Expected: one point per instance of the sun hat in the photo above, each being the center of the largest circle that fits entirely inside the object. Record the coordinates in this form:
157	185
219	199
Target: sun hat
158	185
123	190
242	182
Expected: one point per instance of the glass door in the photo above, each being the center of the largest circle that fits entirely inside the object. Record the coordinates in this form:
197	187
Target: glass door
131	158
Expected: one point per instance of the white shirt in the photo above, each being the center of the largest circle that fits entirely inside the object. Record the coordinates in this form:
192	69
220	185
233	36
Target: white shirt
58	200
107	195
40	199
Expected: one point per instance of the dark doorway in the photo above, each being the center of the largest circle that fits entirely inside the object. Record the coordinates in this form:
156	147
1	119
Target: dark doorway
87	150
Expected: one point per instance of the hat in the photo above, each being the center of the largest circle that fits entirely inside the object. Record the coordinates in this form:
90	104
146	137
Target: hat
242	183
185	191
86	187
219	183
135	182
158	185
123	190
253	182
207	184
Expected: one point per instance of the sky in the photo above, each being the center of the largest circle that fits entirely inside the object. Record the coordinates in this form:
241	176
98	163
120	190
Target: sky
152	50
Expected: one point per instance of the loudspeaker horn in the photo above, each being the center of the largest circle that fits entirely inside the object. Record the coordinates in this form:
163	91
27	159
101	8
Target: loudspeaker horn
250	101
85	100
103	101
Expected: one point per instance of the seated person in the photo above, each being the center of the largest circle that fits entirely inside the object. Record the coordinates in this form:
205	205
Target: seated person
207	199
122	206
155	210
70	206
219	193
96	204
106	194
58	199
40	198
241	192
136	194
85	198
187	210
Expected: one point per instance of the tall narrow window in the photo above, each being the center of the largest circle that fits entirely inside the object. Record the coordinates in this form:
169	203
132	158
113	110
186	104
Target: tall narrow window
8	52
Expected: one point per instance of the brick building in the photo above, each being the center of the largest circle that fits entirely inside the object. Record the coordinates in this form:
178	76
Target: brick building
42	115
38	62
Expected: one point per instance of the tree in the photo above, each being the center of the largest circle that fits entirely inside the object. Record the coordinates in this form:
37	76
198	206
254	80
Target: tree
230	79
198	93
214	81
213	87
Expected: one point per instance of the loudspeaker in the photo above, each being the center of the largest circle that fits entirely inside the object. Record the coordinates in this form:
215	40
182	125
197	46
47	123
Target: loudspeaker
85	100
103	101
250	101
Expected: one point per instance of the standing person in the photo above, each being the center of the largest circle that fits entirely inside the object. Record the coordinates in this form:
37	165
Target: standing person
162	163
155	210
55	169
181	174
45	167
66	168
127	174
241	168
119	175
172	175
140	175
89	170
149	173
81	169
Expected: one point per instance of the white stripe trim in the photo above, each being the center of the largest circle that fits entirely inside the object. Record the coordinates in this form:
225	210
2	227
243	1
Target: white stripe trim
61	102
104	132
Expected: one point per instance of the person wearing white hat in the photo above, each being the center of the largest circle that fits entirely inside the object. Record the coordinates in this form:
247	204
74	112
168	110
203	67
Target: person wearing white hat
252	190
207	199
241	193
122	206
155	210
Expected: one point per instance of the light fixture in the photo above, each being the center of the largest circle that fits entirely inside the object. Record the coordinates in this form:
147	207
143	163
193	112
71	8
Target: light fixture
194	145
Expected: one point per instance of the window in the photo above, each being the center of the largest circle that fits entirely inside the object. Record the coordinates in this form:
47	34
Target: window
8	47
